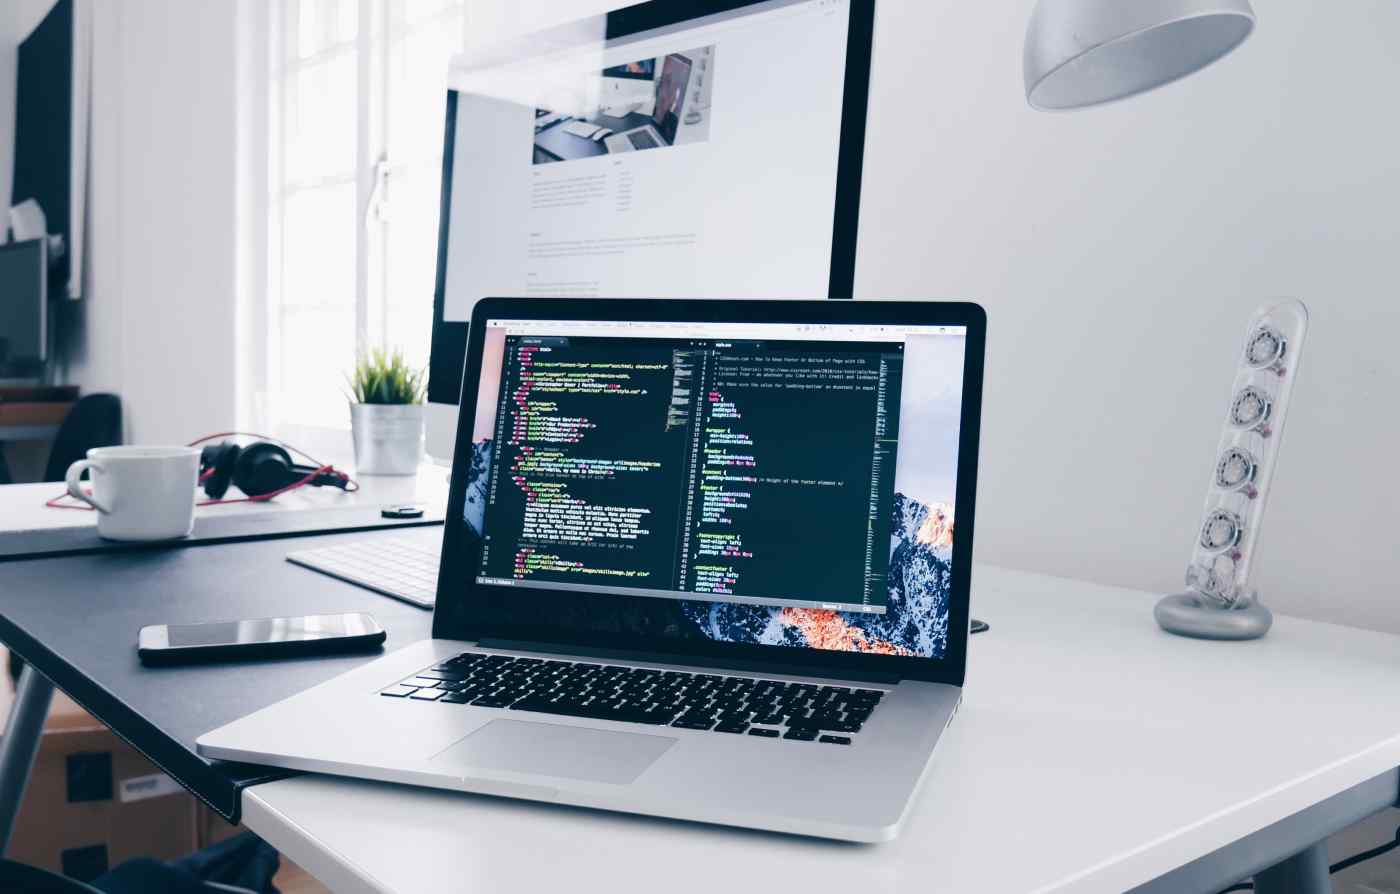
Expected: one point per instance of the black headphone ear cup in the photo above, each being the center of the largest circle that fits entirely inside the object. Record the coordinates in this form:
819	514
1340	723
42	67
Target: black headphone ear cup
263	468
218	463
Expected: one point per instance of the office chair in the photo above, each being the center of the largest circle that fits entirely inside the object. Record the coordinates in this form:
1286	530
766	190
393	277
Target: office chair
94	421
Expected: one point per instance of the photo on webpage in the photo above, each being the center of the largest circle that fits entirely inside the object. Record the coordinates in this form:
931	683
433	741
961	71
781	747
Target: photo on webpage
652	103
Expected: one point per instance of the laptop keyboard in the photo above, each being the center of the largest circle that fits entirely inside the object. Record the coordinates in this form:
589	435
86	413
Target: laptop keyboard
642	140
803	712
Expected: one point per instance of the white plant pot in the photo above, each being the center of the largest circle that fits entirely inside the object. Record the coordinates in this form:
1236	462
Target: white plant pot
388	438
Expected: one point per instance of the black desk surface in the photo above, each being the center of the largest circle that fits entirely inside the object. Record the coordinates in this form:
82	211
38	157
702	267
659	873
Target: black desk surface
75	619
565	146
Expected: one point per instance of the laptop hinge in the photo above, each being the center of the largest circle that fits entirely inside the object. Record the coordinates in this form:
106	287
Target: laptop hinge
760	667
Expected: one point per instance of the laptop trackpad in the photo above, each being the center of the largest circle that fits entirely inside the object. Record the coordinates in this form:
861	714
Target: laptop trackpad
552	749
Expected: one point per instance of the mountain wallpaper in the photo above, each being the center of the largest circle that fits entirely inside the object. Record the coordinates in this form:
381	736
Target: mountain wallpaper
915	622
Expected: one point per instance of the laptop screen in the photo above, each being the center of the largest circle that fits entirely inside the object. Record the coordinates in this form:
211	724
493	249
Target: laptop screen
780	484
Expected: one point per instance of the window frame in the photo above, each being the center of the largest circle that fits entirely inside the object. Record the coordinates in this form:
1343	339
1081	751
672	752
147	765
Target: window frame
379	30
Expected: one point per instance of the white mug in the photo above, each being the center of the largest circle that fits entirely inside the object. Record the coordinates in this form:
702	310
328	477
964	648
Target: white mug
140	493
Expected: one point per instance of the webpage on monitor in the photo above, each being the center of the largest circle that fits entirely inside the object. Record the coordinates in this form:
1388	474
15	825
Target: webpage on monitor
694	160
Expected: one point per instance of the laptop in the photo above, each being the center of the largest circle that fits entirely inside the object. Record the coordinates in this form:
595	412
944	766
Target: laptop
704	559
670	102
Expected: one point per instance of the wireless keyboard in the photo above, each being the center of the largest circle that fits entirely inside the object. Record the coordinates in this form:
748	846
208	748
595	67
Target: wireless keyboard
399	568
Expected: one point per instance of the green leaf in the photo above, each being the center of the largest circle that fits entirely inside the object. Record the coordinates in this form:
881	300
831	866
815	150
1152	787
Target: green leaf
383	377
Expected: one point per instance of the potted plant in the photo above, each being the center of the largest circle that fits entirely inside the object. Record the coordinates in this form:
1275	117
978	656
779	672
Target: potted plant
386	414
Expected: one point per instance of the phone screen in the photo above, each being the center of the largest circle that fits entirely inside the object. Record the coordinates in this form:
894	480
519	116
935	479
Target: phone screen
271	630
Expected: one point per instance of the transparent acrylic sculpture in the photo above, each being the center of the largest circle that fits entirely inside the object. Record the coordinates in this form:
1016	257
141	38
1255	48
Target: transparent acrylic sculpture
1219	602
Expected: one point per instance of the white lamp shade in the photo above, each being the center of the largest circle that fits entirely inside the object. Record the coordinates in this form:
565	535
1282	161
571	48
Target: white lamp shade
1085	52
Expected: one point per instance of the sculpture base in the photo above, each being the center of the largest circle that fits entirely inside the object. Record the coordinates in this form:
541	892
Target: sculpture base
1187	614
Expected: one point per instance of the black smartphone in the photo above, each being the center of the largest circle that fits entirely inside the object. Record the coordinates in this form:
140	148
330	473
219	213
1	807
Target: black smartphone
258	638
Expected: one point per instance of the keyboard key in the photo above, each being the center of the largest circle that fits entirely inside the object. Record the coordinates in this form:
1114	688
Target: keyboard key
421	681
439	674
693	723
765	733
455	698
399	690
836	740
428	695
800	733
493	701
731	727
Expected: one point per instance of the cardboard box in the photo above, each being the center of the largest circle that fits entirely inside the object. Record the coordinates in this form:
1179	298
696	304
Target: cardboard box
93	801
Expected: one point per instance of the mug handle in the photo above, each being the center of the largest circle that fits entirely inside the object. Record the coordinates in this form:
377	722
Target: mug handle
75	490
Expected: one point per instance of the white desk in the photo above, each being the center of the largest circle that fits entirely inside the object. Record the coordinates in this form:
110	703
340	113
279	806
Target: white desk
22	506
1093	752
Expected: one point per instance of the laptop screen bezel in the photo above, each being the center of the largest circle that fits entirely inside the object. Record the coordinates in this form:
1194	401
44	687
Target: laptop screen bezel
461	613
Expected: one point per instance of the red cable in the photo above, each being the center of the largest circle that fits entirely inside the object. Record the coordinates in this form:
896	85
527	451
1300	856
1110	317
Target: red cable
54	504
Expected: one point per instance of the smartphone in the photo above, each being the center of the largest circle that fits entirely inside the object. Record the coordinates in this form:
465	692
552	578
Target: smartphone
258	638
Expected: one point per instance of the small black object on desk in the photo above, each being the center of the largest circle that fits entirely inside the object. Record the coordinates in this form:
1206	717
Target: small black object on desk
253	638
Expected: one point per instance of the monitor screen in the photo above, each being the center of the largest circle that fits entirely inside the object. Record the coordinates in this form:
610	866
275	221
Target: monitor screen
671	92
781	484
659	151
640	69
23	307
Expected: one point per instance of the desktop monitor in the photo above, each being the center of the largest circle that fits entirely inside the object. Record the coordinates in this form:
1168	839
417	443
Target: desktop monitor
753	189
23	308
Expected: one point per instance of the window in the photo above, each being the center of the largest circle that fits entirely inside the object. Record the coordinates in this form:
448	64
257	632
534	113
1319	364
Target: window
355	135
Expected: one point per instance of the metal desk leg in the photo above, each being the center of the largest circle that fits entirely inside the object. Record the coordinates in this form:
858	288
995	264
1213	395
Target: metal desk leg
20	744
1306	872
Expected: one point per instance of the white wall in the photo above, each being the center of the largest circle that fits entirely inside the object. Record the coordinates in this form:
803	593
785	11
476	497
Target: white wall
166	281
1119	252
159	317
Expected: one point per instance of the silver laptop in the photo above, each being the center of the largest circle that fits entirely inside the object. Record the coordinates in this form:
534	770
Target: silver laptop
671	92
701	562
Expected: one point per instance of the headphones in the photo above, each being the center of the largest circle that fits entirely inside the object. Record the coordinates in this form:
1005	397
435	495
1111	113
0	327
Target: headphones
260	469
